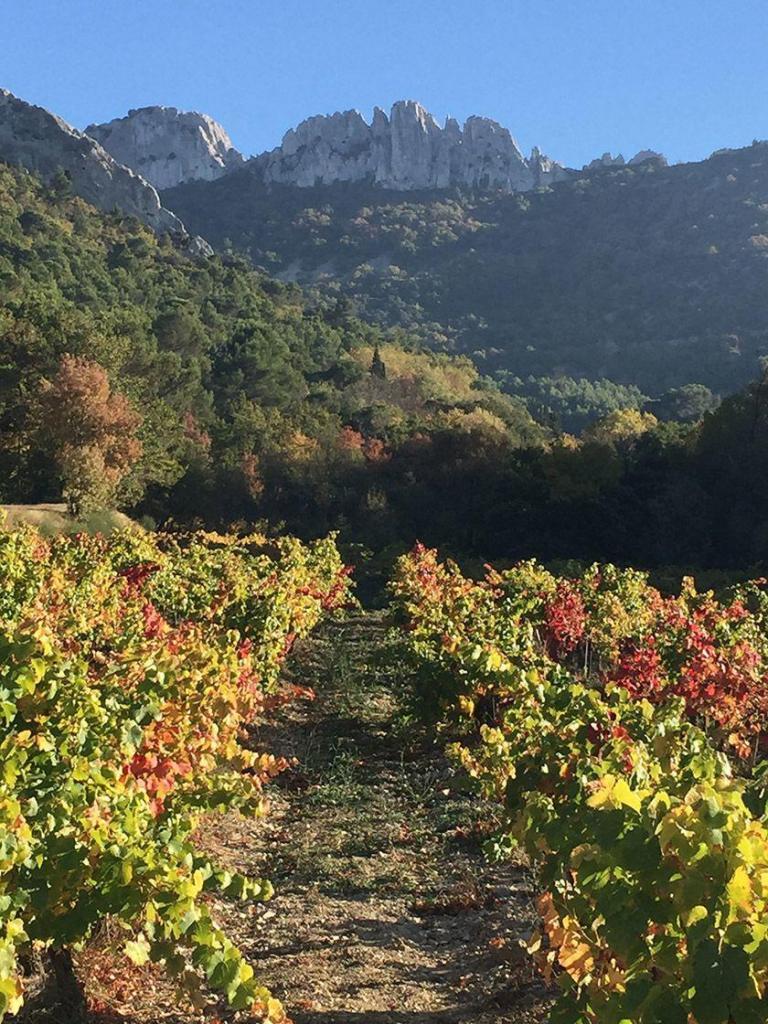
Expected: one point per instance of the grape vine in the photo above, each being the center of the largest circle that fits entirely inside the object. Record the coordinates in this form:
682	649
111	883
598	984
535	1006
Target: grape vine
609	724
129	668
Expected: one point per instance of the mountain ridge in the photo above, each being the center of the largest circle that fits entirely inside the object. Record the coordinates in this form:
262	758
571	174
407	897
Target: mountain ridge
405	150
649	275
42	142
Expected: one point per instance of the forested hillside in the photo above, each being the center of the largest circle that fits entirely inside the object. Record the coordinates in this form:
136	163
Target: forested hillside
134	373
200	391
647	275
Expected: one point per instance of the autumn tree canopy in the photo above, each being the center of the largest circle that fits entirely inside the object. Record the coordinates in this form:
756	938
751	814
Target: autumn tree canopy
92	431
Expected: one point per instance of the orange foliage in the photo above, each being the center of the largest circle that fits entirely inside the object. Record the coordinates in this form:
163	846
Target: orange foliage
92	431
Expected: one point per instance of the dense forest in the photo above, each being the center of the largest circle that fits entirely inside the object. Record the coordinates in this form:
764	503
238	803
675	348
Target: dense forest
236	390
650	276
194	389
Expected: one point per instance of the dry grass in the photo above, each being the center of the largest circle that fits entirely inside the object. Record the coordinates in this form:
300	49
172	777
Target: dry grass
50	518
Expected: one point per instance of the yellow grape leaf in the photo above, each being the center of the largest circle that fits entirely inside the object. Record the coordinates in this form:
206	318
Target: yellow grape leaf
624	796
15	929
467	705
739	889
137	951
11	995
244	972
275	1011
269	1008
603	793
660	803
494	661
694	915
610	792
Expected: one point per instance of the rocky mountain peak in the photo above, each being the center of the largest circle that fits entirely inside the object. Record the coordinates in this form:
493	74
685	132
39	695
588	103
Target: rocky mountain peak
402	150
406	149
34	138
411	113
608	160
168	146
645	155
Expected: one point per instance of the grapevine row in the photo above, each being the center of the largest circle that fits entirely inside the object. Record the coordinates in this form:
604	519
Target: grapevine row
605	721
129	669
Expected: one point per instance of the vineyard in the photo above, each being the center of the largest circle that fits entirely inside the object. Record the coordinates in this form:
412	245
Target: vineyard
614	736
128	669
620	732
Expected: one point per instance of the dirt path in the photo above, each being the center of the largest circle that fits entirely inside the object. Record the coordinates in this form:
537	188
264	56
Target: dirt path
386	912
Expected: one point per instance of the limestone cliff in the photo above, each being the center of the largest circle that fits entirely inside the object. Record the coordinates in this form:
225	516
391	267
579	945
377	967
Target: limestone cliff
406	150
168	146
403	150
34	138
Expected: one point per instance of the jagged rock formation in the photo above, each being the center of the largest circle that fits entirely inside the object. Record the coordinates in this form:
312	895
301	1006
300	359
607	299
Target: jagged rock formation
168	146
647	154
607	160
34	138
407	150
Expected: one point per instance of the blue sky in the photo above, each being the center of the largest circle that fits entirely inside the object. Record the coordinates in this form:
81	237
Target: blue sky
576	77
